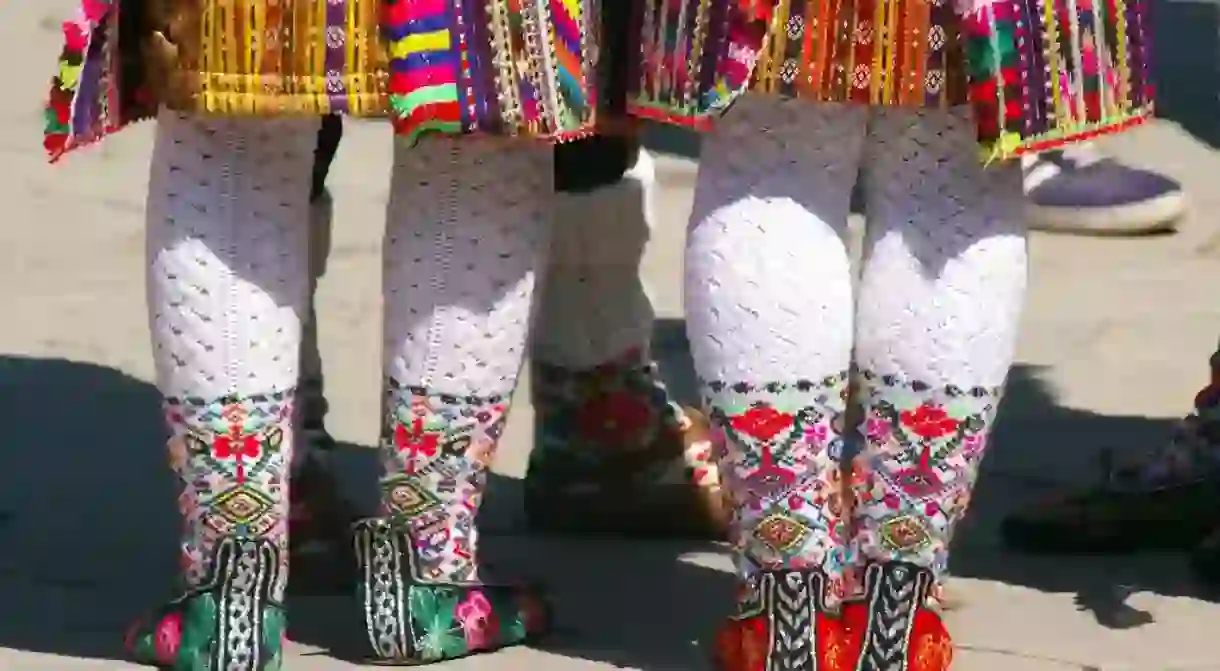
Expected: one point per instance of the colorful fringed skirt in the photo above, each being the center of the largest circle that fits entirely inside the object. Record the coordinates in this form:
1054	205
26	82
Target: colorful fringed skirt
1038	73
502	67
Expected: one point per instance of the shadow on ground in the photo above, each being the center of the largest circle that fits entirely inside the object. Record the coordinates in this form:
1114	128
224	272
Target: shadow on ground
1186	66
87	525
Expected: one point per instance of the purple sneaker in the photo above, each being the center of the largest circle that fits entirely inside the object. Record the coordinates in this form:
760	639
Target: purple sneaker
1099	196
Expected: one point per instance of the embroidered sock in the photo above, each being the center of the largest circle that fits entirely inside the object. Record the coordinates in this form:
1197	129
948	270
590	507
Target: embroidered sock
467	234
769	315
941	294
227	283
596	391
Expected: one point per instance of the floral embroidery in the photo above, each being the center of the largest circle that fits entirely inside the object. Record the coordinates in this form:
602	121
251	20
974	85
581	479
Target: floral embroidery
231	619
477	620
779	446
408	622
436	450
921	452
231	456
585	419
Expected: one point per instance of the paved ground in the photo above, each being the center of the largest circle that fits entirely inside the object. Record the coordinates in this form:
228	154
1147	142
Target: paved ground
1114	346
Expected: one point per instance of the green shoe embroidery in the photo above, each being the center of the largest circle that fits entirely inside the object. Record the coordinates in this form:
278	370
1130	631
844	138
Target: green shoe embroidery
231	622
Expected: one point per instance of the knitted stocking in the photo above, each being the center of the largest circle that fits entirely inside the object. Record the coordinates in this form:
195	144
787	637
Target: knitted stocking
769	314
467	231
613	453
227	287
940	297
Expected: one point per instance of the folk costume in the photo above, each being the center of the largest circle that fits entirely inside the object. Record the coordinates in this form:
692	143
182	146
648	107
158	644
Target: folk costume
237	90
851	418
613	453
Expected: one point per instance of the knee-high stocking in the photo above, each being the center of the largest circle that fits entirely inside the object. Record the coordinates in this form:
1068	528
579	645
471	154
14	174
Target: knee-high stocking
941	292
227	284
769	314
467	232
612	451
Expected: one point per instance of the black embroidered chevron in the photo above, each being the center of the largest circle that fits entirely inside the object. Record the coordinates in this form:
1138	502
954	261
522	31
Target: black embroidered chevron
792	599
894	591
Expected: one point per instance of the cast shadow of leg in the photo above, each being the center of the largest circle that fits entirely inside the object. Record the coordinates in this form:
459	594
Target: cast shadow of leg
85	506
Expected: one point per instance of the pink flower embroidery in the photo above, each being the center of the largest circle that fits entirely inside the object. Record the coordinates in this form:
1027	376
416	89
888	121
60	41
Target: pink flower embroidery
816	435
478	622
168	638
878	430
972	445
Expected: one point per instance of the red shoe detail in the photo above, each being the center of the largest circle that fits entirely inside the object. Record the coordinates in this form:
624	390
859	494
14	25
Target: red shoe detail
742	645
930	647
838	646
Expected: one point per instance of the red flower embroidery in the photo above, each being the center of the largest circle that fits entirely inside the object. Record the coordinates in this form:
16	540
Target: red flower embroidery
237	445
416	441
929	421
762	422
614	419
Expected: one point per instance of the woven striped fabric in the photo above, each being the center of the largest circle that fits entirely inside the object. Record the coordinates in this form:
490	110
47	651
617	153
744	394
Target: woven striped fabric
505	67
496	66
697	56
1044	73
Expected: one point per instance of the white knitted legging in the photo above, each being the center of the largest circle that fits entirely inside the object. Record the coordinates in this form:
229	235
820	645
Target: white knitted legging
467	229
775	325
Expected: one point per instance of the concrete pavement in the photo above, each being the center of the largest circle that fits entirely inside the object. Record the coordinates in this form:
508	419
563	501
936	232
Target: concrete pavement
1115	343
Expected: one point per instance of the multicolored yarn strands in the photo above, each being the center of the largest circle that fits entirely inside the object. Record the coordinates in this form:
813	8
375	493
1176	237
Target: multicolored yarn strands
1044	73
697	56
503	67
83	105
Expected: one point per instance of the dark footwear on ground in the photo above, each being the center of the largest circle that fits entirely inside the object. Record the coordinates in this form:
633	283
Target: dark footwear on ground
1099	197
320	522
668	488
1117	521
1205	559
1169	500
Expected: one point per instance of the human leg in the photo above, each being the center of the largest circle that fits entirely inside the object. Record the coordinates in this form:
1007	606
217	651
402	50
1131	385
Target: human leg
769	315
941	293
227	286
613	452
467	230
313	406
